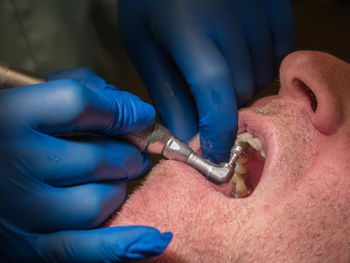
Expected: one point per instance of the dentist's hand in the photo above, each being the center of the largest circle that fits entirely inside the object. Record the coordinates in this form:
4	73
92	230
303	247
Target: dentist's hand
223	50
55	191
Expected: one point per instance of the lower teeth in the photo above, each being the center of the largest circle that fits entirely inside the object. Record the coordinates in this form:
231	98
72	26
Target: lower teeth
239	180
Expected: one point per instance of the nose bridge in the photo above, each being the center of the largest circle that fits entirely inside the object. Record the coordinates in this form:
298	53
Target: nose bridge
325	76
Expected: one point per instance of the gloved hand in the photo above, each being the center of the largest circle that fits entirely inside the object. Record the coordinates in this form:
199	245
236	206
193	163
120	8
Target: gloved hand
53	190
223	50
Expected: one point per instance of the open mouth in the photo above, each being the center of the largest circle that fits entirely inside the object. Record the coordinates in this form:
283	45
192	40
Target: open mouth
249	167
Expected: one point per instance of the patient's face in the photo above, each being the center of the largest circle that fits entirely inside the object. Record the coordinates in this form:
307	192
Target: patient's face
299	210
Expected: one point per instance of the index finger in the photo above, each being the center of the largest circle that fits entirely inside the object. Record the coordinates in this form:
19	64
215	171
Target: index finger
208	74
67	106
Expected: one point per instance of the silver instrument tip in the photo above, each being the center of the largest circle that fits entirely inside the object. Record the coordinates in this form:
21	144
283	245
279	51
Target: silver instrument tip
238	148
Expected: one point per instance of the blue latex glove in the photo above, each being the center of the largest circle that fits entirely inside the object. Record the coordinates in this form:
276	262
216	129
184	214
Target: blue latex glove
223	50
52	190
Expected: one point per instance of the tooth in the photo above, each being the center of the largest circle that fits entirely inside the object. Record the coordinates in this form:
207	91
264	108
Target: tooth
241	188
263	153
245	136
240	169
234	180
255	143
243	158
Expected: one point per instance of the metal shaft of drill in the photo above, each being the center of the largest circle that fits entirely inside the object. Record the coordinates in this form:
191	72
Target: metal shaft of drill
11	77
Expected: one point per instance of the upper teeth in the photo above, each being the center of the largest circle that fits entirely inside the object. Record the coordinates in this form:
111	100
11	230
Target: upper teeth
253	142
240	169
240	188
245	136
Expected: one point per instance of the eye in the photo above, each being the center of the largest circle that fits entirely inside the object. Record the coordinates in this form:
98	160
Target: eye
308	92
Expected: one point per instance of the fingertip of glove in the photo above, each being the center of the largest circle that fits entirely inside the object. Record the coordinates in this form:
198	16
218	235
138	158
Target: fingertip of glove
145	168
163	242
215	157
148	113
214	149
131	113
167	237
217	137
143	113
151	244
147	162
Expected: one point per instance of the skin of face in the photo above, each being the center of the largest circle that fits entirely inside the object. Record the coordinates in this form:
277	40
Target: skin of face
300	208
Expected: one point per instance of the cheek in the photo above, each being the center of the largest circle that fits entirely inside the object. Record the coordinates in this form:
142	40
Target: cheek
333	182
176	199
331	172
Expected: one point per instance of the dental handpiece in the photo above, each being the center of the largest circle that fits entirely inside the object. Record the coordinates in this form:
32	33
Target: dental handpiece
155	139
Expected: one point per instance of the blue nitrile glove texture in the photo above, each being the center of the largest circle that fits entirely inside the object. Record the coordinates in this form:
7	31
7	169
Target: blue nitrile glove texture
204	59
56	191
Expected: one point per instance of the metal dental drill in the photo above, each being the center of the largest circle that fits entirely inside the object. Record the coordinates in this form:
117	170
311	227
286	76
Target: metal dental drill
155	139
158	139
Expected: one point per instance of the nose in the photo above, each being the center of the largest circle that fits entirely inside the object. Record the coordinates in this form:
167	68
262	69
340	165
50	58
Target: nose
319	83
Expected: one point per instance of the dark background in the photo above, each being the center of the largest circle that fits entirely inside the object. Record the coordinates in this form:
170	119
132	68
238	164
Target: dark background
322	25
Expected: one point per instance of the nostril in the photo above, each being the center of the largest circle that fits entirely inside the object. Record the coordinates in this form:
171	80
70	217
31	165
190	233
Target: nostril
308	92
314	82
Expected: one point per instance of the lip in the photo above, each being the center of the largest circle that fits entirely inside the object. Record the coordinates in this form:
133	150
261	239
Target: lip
261	128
